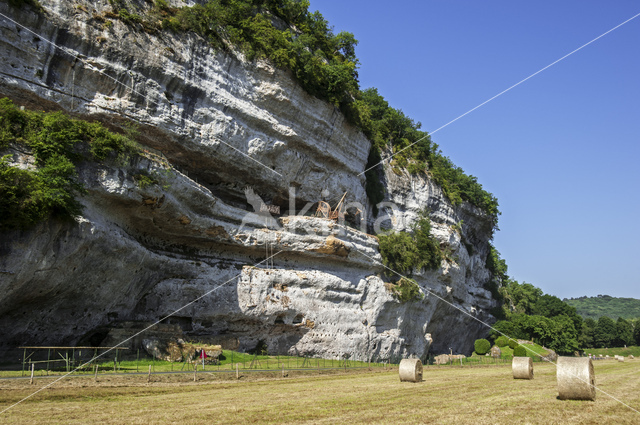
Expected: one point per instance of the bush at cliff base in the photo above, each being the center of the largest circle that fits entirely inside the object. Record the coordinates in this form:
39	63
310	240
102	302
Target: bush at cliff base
482	346
502	341
519	351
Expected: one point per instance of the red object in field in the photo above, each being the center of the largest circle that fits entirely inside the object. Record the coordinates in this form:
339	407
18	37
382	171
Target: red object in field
203	354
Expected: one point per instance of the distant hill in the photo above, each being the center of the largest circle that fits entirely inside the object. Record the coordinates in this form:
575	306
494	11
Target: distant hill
605	305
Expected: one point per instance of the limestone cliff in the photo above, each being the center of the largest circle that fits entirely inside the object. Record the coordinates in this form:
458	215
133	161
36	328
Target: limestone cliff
214	124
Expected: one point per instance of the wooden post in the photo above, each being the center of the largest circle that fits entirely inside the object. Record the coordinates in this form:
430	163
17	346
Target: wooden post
149	376
237	371
95	376
33	366
195	371
283	370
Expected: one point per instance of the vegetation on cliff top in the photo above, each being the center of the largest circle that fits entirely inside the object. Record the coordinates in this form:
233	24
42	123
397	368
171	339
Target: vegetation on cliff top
325	65
58	143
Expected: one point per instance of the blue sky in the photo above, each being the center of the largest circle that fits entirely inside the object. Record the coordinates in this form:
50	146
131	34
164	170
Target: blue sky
560	151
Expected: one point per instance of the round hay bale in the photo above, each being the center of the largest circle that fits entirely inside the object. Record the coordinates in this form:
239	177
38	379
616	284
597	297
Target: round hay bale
631	357
410	370
522	368
576	380
620	358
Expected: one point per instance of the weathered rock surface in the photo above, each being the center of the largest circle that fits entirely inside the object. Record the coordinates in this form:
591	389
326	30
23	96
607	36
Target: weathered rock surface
188	250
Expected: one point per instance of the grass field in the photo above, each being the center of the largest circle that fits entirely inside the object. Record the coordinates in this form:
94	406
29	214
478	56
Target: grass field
460	395
229	361
620	351
534	351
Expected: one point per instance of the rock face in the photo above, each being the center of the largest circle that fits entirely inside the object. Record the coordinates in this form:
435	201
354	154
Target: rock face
190	251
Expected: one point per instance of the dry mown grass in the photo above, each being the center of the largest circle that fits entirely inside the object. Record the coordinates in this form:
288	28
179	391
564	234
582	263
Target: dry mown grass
447	395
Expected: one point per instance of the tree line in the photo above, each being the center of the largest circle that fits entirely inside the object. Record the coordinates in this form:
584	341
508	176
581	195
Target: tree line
605	305
606	332
528	313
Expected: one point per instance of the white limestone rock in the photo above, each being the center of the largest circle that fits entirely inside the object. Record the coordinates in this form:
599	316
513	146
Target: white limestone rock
214	124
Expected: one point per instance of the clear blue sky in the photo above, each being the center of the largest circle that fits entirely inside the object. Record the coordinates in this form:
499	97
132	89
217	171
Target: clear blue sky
560	151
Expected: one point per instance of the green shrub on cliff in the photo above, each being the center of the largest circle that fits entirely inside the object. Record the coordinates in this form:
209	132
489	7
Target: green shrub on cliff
407	290
403	252
27	197
57	142
399	252
430	253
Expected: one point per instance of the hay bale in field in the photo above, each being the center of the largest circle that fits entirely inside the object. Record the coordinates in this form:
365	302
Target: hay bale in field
576	379
522	368
410	370
631	357
620	358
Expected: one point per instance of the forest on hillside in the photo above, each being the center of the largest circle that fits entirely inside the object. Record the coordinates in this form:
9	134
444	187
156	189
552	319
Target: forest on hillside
528	313
605	305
